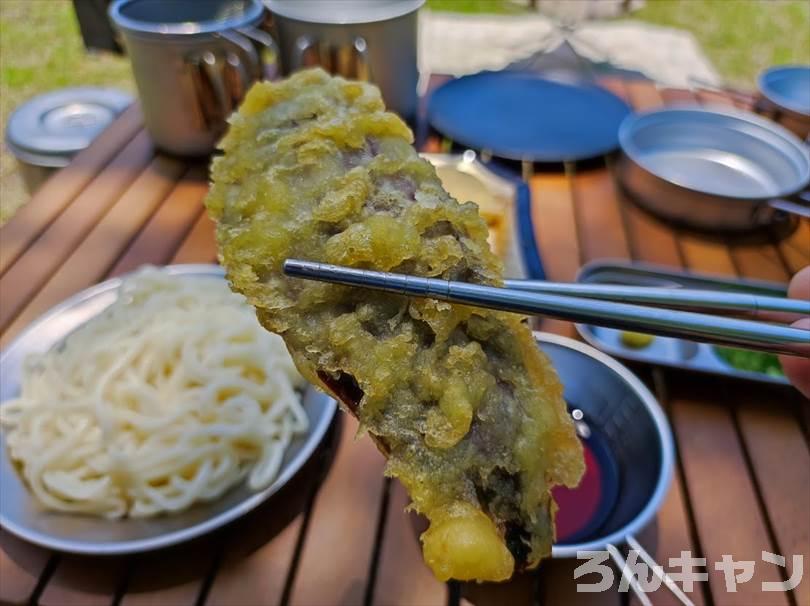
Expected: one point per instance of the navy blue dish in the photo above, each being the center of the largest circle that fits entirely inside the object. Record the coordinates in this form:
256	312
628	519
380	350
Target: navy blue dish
522	116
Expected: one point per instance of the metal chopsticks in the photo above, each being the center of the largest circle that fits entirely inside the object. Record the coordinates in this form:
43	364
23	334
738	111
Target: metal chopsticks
761	336
722	301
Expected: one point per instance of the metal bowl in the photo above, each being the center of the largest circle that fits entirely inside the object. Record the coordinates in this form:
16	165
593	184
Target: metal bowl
788	88
22	515
615	406
618	420
711	167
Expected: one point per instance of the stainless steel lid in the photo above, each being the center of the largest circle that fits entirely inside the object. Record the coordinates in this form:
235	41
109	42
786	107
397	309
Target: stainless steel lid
343	12
49	129
183	18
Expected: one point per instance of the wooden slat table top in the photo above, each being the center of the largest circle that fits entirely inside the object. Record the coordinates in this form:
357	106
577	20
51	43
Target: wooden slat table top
742	482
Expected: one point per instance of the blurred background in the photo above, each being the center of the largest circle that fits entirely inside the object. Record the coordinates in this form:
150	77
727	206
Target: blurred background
41	47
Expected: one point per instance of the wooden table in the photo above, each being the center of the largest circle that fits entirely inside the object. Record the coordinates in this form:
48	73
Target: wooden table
742	483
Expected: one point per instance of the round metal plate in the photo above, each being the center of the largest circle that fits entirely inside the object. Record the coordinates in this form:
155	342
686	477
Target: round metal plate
521	116
22	515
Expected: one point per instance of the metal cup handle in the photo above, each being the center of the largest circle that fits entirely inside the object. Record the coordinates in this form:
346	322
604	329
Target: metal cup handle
303	45
657	570
361	58
243	43
209	90
263	38
220	85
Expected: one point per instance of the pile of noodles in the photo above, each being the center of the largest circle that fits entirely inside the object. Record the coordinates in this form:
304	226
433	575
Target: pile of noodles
171	396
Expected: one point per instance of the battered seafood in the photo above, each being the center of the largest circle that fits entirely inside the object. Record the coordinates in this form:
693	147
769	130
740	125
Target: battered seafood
469	413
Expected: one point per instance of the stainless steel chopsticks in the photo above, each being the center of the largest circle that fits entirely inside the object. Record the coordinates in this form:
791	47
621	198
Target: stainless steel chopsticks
668	297
762	336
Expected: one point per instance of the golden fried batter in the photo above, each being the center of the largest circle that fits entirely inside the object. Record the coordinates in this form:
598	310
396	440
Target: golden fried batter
466	408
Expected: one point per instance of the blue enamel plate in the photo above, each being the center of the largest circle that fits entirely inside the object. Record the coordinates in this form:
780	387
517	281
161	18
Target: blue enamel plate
522	116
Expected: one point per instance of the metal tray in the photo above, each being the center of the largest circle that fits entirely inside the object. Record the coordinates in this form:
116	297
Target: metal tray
501	198
665	351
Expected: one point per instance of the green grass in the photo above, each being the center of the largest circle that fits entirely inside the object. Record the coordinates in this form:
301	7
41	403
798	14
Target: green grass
478	6
741	37
41	49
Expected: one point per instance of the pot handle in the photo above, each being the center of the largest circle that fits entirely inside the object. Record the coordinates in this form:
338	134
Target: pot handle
788	206
654	567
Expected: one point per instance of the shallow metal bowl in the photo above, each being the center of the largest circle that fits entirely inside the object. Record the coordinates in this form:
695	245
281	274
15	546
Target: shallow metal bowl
711	167
22	515
617	406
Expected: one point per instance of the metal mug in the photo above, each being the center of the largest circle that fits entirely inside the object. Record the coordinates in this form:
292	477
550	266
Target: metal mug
193	61
373	40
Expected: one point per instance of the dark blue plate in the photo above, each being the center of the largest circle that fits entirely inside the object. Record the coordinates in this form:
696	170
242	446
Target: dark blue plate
522	116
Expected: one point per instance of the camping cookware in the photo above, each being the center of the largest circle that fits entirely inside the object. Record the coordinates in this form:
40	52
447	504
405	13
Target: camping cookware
371	40
193	61
677	353
46	132
786	88
713	168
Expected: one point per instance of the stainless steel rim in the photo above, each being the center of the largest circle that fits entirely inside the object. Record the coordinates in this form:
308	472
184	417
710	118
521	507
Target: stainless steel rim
628	128
665	440
324	17
252	13
180	536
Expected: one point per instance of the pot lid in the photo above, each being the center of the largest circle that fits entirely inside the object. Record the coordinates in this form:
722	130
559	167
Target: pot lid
344	12
65	121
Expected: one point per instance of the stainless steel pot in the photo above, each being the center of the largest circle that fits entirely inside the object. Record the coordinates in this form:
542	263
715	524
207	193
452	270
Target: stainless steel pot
193	61
45	132
713	168
786	92
372	40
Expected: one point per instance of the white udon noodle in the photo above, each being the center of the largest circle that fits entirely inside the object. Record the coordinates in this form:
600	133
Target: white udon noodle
171	396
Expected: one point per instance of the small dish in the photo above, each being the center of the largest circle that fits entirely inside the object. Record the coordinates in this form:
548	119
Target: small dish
629	451
502	201
20	513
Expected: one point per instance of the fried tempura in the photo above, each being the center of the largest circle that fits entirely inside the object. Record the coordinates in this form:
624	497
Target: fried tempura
468	411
